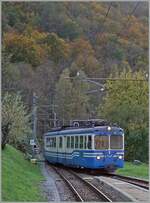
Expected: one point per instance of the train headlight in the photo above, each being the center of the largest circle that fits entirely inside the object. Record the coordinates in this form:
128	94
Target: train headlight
98	157
120	157
109	128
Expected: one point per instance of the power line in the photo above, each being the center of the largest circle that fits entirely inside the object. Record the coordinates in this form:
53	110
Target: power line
137	4
107	12
127	23
129	17
106	17
113	79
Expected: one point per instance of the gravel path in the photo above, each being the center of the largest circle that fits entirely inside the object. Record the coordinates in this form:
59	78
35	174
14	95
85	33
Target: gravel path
49	188
85	191
54	188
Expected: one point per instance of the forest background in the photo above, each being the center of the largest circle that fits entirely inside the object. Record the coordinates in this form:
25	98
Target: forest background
55	48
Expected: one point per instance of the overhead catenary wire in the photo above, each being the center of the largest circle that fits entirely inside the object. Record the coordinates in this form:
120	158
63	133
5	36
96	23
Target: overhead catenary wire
108	10
113	79
129	17
133	10
127	23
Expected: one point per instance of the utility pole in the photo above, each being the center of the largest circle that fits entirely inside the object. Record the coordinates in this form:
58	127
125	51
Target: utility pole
34	121
34	115
55	118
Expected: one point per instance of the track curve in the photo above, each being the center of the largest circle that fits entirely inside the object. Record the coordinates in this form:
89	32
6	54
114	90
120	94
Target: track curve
82	189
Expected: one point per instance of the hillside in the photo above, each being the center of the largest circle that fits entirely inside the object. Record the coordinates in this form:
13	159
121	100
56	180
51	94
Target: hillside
19	177
82	60
96	38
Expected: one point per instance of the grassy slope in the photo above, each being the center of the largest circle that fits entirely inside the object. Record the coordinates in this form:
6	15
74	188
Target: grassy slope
139	171
20	178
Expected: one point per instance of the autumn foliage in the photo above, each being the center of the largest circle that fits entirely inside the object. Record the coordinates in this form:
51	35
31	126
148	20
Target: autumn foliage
44	43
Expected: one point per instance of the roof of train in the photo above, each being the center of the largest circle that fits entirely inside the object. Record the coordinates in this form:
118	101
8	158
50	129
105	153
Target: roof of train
95	130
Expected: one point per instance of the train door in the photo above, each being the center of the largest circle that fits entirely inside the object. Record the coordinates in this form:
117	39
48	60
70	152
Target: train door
64	149
60	149
68	148
57	142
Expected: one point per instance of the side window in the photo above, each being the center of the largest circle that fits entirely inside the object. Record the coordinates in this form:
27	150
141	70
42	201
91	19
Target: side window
76	141
68	142
72	142
51	142
54	142
89	142
81	142
47	142
60	142
85	142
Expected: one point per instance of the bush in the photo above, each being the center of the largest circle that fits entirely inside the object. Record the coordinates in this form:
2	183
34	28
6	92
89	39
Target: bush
15	120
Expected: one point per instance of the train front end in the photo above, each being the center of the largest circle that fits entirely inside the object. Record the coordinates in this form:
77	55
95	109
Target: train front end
109	148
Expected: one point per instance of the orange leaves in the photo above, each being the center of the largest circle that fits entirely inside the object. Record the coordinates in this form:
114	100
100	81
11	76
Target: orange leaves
35	46
98	8
23	48
82	46
59	49
84	56
136	32
36	35
102	38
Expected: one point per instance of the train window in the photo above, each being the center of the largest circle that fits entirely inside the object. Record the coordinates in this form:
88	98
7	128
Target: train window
116	142
51	142
68	142
54	142
89	142
76	141
84	142
60	142
81	142
101	142
72	142
47	142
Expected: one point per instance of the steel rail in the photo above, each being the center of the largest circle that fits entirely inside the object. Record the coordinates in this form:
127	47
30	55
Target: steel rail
78	197
91	186
99	193
135	181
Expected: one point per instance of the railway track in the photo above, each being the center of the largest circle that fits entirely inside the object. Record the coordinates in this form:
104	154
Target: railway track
135	181
82	189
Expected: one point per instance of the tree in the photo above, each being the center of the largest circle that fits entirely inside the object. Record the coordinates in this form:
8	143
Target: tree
84	57
63	97
126	103
15	120
39	45
10	73
80	99
59	48
23	48
71	97
70	30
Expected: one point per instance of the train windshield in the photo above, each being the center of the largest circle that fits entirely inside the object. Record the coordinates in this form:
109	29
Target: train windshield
116	142
101	142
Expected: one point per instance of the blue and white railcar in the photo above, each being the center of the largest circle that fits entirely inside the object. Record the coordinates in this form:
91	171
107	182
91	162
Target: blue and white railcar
99	147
